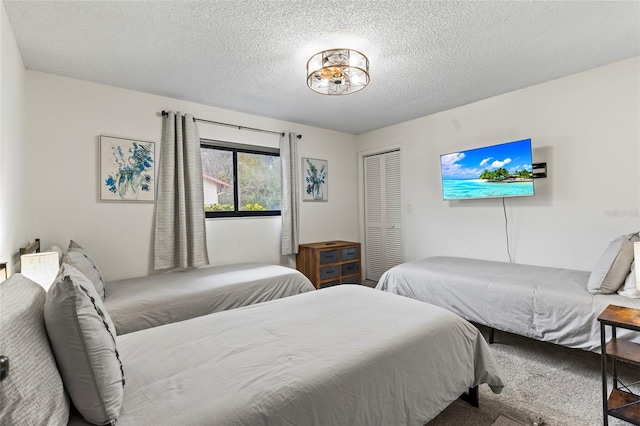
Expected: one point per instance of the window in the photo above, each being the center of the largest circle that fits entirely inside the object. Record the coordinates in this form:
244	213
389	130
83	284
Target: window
240	180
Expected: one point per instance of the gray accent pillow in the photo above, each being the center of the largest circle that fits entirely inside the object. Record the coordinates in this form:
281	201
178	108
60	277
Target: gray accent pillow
32	393
78	257
613	267
82	336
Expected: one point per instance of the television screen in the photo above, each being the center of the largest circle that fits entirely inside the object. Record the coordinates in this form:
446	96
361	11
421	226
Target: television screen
502	170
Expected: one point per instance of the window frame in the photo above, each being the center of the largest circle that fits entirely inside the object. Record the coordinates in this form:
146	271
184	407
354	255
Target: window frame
235	148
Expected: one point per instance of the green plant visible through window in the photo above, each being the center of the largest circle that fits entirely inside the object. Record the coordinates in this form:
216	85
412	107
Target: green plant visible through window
229	207
217	207
254	206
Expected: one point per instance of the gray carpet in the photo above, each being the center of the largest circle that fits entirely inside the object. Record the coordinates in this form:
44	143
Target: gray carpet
545	384
506	420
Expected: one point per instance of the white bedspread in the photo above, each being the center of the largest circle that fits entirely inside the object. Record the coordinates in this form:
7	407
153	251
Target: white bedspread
549	304
140	303
346	355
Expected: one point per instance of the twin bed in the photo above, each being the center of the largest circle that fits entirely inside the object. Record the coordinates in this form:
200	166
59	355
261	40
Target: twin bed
549	304
346	355
145	302
164	298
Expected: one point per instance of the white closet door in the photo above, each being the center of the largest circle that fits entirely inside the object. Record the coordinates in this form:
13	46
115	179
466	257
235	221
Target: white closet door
373	210
394	242
384	245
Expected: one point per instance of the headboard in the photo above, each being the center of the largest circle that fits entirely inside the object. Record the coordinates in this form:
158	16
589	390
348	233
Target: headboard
34	247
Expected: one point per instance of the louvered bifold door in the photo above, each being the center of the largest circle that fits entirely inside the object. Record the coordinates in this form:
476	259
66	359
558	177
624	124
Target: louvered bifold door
393	236
384	245
373	217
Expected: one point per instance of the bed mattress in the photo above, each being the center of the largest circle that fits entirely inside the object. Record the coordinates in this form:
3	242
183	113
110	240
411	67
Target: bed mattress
140	303
549	304
345	355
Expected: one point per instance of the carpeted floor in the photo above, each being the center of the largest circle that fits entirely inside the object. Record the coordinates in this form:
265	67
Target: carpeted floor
545	384
506	420
370	283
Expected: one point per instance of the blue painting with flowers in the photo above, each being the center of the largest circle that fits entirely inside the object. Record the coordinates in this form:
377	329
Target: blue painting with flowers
127	169
315	180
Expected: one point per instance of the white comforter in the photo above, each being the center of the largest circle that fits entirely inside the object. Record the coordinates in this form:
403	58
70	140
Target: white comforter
549	304
140	303
346	355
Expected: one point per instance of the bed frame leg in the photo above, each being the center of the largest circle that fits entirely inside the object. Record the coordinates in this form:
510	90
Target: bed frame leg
492	334
472	397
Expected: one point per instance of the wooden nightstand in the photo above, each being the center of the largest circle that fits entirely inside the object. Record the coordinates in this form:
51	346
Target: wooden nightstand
620	403
330	263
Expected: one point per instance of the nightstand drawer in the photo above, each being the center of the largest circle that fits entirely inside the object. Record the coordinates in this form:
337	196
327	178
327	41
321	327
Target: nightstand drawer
350	253
350	268
327	272
351	280
330	256
330	284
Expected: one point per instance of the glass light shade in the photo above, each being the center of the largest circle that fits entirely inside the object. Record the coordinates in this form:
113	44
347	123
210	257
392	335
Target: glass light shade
636	257
337	72
41	268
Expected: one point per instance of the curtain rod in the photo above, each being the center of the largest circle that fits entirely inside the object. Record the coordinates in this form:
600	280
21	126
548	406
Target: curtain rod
236	126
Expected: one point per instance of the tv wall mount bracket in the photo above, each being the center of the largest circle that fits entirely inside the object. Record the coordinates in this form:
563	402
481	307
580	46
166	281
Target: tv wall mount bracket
539	170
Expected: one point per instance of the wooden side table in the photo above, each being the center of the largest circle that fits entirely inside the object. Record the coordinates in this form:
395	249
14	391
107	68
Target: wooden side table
330	263
620	403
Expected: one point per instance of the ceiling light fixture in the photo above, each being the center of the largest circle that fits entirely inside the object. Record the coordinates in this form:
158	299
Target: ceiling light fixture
337	72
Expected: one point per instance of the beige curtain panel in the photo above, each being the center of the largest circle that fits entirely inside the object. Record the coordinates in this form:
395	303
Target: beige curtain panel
290	208
180	235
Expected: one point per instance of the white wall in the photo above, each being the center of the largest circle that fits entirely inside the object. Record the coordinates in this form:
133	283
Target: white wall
585	126
66	117
14	211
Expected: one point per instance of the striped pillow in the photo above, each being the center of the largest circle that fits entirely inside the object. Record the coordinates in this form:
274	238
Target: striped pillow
78	257
83	340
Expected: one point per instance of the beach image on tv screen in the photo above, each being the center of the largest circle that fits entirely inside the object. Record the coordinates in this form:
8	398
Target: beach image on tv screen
494	171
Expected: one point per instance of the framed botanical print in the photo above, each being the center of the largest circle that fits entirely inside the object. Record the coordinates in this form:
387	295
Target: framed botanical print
315	180
127	169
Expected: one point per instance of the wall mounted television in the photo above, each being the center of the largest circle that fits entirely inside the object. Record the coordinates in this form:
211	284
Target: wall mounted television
495	171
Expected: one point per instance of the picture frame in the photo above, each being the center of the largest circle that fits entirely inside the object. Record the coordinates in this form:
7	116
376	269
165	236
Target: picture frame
315	179
127	169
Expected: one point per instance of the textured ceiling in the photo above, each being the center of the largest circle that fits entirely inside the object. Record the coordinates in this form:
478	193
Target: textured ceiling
250	56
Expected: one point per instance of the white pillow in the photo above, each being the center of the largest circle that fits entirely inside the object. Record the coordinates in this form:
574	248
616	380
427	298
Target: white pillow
78	257
613	267
56	249
82	337
629	288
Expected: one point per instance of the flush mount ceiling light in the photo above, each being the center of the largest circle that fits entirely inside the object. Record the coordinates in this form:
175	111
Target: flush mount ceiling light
337	72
